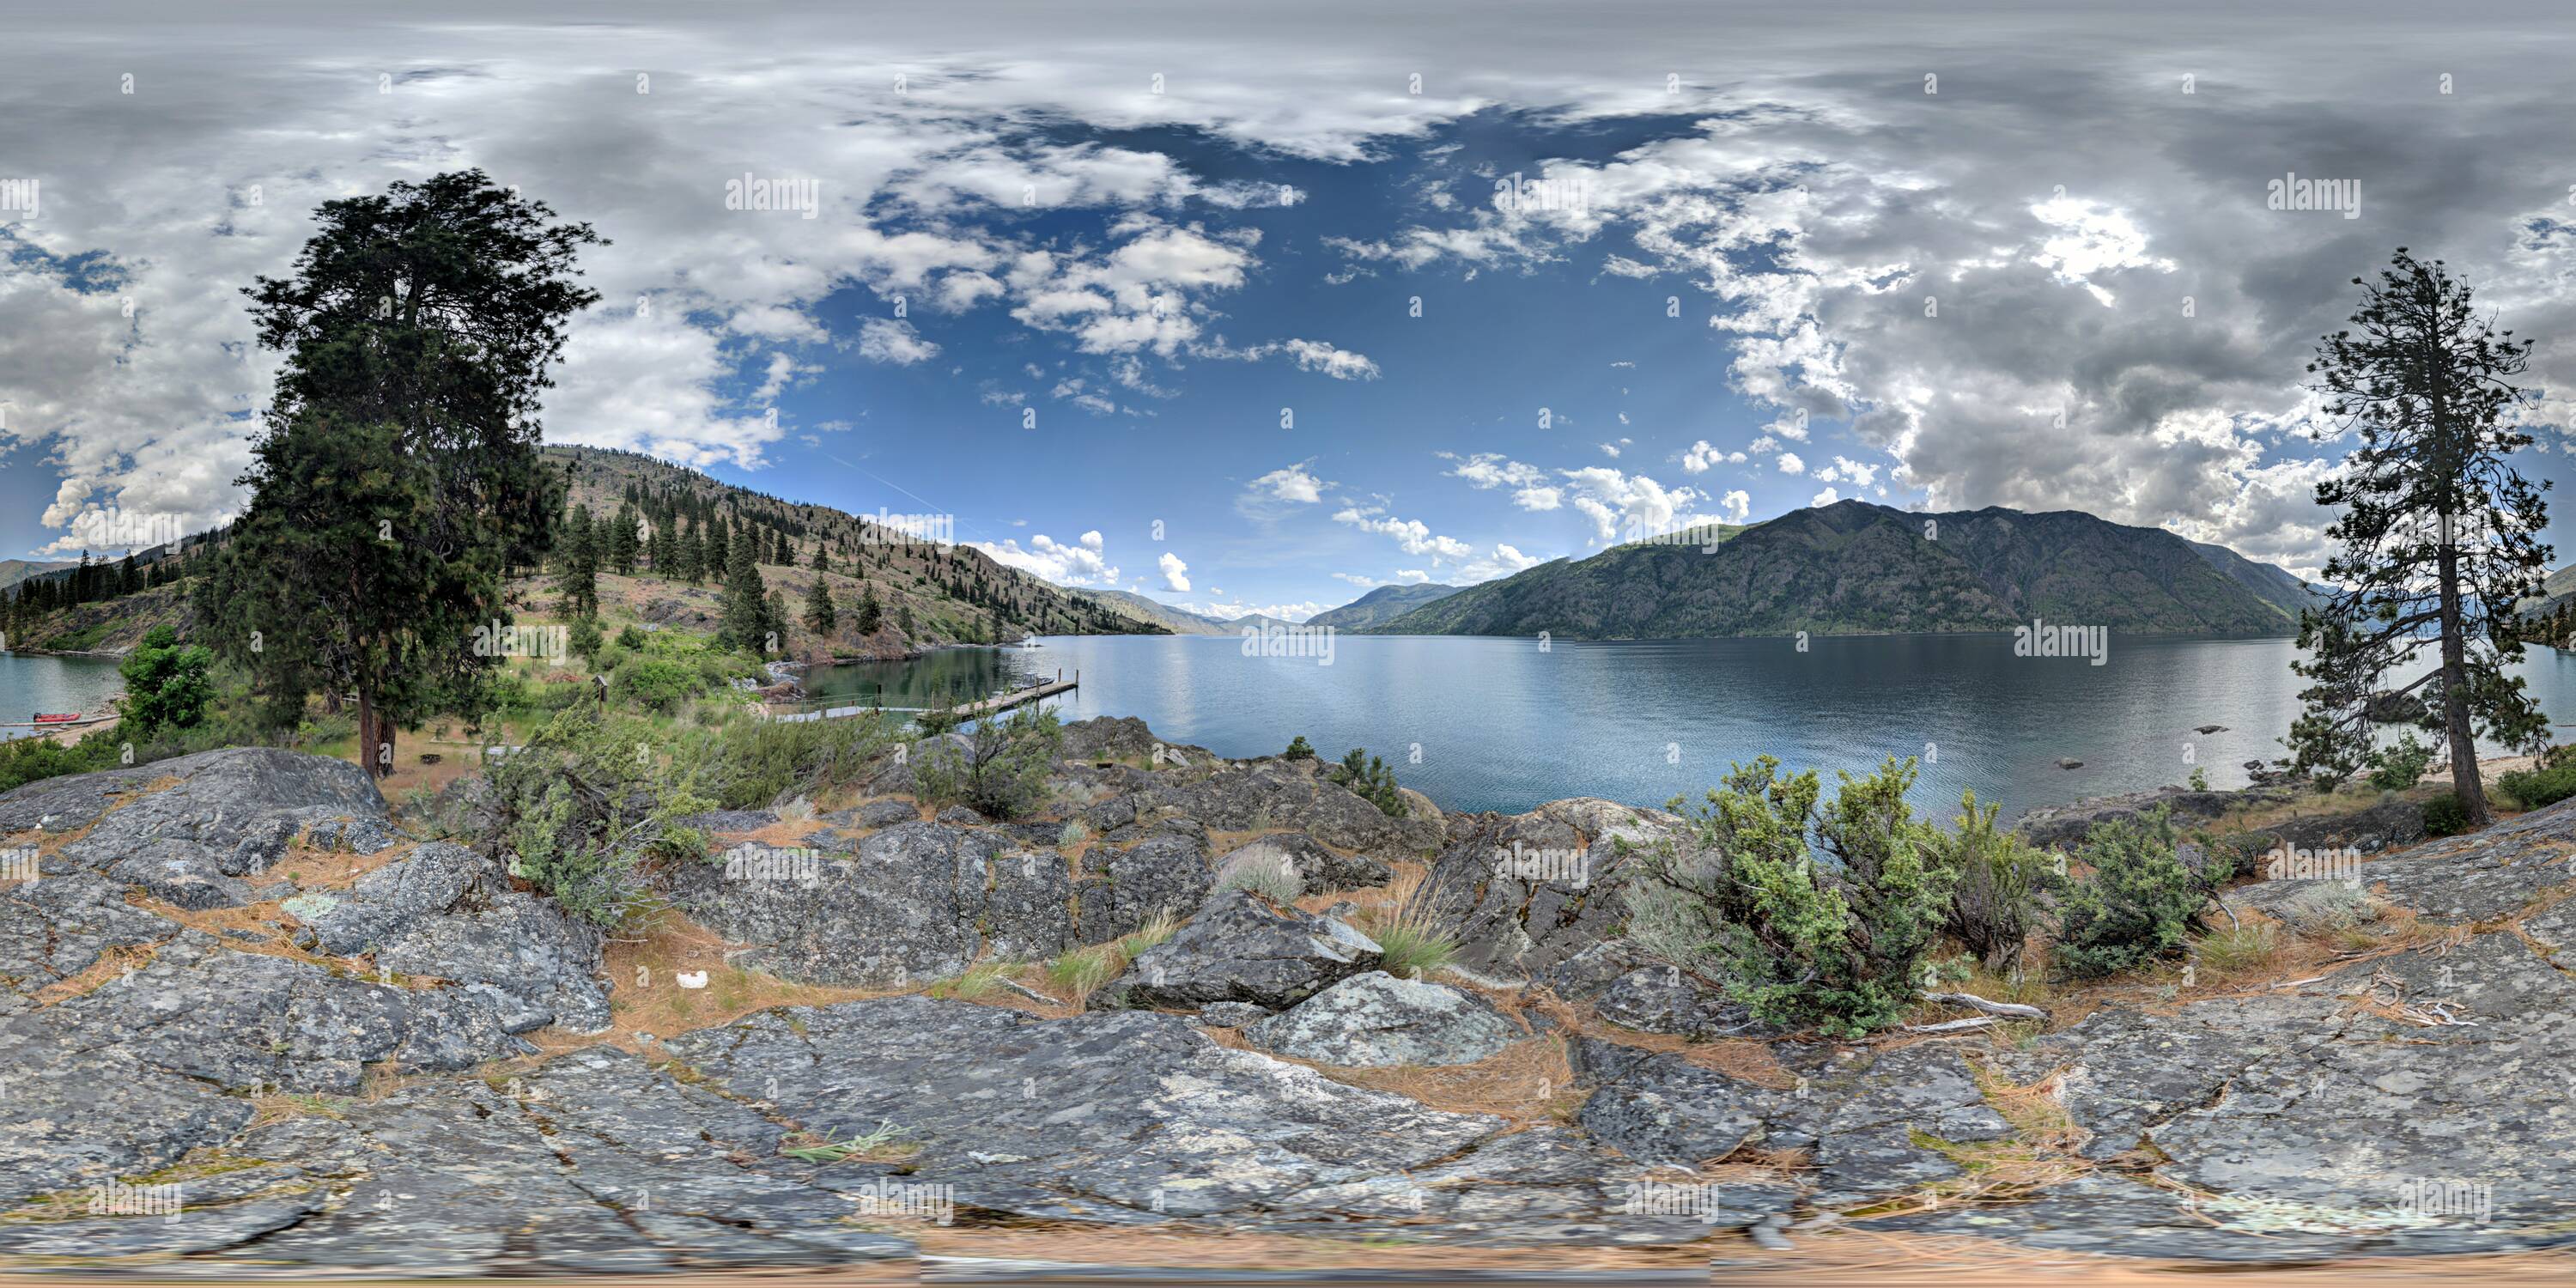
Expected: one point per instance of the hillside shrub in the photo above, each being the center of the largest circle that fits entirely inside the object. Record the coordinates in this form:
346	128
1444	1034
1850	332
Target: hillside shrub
1998	878
1298	749
2533	788
751	763
1369	778
655	683
999	770
2137	904
2445	816
1807	915
2401	764
588	803
166	686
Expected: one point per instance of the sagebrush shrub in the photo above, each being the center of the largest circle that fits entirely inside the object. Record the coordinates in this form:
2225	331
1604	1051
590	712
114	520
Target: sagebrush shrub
1998	878
2137	904
1800	941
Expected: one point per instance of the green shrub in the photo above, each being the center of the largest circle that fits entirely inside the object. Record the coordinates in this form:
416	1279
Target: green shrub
1800	942
2533	788
587	803
753	762
1369	778
655	683
2137	904
1998	879
166	686
1298	749
584	639
2445	816
631	639
2400	764
1000	771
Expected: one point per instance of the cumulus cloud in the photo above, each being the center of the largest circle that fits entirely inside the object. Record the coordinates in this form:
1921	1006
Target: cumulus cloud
1082	562
1175	573
894	341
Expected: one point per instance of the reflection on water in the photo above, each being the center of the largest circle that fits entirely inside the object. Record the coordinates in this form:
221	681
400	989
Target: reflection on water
941	677
30	683
1500	724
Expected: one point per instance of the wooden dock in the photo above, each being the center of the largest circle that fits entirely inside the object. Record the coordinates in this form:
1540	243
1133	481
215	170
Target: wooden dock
1006	701
998	702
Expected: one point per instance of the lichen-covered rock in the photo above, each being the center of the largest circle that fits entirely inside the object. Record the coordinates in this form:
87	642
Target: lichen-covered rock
55	927
1162	876
1375	1019
1131	1109
912	903
1658	998
1231	1015
237	809
1525	892
1291	794
389	901
1241	947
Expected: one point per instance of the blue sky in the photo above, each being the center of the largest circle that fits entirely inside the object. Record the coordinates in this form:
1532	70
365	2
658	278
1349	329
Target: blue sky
2005	255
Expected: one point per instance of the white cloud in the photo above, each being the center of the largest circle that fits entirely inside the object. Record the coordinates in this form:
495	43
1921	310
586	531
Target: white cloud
1738	505
1080	563
1175	573
1290	483
1412	535
1826	497
894	341
1491	470
1790	464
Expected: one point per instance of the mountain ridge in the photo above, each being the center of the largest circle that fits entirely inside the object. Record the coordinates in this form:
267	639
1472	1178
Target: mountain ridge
1857	568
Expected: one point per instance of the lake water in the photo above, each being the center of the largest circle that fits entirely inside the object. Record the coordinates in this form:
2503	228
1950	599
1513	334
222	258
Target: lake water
30	683
1500	724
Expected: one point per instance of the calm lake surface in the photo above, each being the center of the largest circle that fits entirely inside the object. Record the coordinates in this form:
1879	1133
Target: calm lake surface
1499	724
29	684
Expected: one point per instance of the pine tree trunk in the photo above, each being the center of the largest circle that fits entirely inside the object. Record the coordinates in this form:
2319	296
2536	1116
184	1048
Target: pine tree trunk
2455	691
375	737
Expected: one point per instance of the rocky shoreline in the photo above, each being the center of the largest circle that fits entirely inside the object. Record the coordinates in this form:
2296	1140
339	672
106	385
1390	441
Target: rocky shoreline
335	1042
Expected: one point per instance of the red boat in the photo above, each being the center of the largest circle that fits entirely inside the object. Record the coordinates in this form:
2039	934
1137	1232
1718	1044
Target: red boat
42	718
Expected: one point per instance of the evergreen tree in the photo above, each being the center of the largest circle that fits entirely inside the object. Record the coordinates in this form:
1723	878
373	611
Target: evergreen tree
822	557
398	479
622	540
580	564
871	613
2440	536
820	615
743	609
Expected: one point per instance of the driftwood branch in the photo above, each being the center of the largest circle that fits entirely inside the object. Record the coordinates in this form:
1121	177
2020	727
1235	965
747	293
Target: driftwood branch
2014	1009
1954	1026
